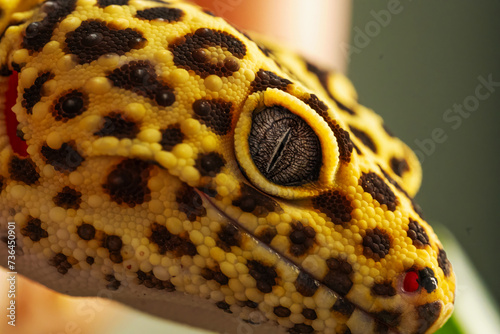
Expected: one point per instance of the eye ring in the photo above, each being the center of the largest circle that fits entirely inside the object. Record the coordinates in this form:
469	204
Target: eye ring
279	106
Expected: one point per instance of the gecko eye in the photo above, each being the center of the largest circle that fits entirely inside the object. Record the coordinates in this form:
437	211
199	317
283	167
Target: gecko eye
284	147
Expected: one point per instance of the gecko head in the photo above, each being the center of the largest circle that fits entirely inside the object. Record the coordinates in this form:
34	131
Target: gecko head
344	221
167	158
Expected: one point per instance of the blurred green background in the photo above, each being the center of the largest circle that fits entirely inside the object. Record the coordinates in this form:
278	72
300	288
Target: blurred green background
425	60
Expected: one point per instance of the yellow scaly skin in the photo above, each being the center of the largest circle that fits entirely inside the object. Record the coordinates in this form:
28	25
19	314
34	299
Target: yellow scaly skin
158	184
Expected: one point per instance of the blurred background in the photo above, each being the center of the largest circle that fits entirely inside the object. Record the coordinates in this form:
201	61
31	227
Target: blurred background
414	63
427	60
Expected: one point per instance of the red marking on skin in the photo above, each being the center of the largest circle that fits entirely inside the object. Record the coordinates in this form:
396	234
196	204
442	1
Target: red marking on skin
18	145
410	283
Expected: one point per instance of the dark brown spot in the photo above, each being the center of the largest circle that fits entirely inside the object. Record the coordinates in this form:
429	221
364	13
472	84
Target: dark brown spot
166	241
264	275
309	313
338	277
34	230
128	182
229	236
267	235
343	107
302	238
64	159
215	275
4	68
383	289
140	77
208	12
427	280
2	183
149	280
105	3
90	260
232	64
380	191
114	244
376	244
306	285
364	137
266	79
68	198
186	54
160	14
252	200
94	38
20	134
113	284
417	234
171	136
399	166
23	170
301	329
444	263
335	205
265	50
86	231
39	33
427	315
216	114
200	55
343	306
316	104
115	125
70	105
210	164
386	320
33	94
224	306
60	261
251	304
343	141
190	202
358	151
282	311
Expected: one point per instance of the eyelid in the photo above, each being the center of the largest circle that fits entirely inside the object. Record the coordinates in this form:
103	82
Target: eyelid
328	141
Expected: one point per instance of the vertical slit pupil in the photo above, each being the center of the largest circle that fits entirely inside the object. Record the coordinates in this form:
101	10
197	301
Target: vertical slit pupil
284	148
279	149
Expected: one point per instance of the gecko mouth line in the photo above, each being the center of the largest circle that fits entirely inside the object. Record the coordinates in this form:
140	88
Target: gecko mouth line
285	259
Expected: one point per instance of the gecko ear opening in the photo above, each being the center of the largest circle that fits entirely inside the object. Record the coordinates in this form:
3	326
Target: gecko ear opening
284	147
14	135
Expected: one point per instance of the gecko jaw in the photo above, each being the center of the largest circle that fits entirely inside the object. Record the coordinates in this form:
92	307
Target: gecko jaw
288	261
